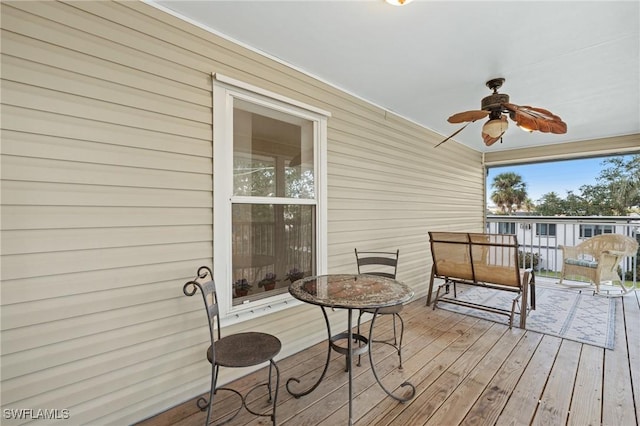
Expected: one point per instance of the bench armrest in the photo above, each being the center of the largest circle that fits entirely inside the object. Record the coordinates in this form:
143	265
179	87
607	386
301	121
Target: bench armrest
615	253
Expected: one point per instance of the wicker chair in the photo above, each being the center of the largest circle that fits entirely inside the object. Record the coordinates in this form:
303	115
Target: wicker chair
597	258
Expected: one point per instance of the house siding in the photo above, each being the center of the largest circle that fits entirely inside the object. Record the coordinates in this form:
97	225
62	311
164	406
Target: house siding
107	202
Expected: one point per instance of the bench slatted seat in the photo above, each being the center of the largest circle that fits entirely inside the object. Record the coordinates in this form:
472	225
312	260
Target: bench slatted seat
486	260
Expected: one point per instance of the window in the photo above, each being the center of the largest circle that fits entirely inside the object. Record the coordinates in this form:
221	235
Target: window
546	229
588	231
506	227
269	209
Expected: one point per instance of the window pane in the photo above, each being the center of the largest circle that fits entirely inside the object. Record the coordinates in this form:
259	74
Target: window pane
506	227
273	244
254	176
272	153
586	231
548	229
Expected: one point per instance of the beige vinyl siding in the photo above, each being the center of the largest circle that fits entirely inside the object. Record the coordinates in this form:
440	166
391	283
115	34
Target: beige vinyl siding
107	189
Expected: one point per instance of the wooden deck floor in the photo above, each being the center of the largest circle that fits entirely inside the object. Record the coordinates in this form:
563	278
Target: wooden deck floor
466	371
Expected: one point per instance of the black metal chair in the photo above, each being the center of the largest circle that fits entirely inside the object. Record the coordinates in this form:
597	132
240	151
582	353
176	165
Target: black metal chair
236	350
383	264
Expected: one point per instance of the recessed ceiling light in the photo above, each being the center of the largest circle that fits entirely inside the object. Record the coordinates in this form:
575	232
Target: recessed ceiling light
398	2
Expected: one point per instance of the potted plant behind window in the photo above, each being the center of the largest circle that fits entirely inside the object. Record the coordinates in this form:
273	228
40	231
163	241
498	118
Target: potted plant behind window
268	282
241	287
294	274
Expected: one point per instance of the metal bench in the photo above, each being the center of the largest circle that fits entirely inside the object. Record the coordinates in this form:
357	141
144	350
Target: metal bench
486	260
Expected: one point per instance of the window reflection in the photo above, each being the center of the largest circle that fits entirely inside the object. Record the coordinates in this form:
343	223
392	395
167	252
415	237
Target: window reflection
272	153
273	245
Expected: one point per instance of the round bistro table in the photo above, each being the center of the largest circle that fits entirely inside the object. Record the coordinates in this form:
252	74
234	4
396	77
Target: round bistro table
350	292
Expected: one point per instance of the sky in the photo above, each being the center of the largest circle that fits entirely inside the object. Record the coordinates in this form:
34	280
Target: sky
557	176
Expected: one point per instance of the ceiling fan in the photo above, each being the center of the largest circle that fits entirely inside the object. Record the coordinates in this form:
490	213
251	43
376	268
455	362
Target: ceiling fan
495	105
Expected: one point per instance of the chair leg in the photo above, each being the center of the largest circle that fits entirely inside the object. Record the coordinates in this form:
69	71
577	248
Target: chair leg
395	336
401	336
625	290
359	356
532	294
513	312
435	301
202	402
430	287
269	382
275	396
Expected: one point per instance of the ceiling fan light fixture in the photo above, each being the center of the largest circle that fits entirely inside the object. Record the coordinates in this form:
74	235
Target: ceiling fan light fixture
524	128
496	106
496	127
398	2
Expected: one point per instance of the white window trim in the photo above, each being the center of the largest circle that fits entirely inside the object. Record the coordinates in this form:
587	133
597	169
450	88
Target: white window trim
224	90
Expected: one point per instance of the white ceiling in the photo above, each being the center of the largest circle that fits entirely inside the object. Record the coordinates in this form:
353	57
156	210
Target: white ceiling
430	59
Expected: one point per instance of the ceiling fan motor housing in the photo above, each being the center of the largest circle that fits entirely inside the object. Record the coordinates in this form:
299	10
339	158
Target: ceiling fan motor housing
494	101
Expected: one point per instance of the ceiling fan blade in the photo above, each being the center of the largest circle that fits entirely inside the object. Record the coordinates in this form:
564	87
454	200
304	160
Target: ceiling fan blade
455	133
490	140
539	119
468	116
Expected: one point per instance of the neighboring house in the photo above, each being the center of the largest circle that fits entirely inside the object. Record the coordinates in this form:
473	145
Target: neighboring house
118	183
542	235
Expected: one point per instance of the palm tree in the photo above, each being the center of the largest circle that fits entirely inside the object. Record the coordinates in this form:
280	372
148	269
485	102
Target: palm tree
510	192
528	205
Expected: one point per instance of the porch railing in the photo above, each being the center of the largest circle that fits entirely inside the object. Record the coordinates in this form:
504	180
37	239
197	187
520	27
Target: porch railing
540	236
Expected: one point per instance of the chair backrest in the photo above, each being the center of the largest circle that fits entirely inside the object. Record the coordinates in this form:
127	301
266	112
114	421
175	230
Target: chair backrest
476	257
600	243
451	254
495	259
380	263
204	282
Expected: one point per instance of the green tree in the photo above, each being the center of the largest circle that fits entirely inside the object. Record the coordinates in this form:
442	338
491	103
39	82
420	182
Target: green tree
550	205
510	192
578	205
596	201
615	193
621	182
528	205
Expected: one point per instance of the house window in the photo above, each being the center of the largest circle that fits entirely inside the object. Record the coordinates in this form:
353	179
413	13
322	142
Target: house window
269	209
546	229
506	227
588	231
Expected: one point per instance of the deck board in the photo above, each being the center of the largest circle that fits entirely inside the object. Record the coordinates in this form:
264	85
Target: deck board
489	405
631	305
617	398
556	398
459	358
466	371
424	363
460	401
587	410
522	405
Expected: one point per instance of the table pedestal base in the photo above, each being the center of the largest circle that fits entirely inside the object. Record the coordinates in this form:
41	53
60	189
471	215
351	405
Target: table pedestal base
350	351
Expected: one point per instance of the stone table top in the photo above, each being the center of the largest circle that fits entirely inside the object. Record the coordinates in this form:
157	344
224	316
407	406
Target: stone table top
351	291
